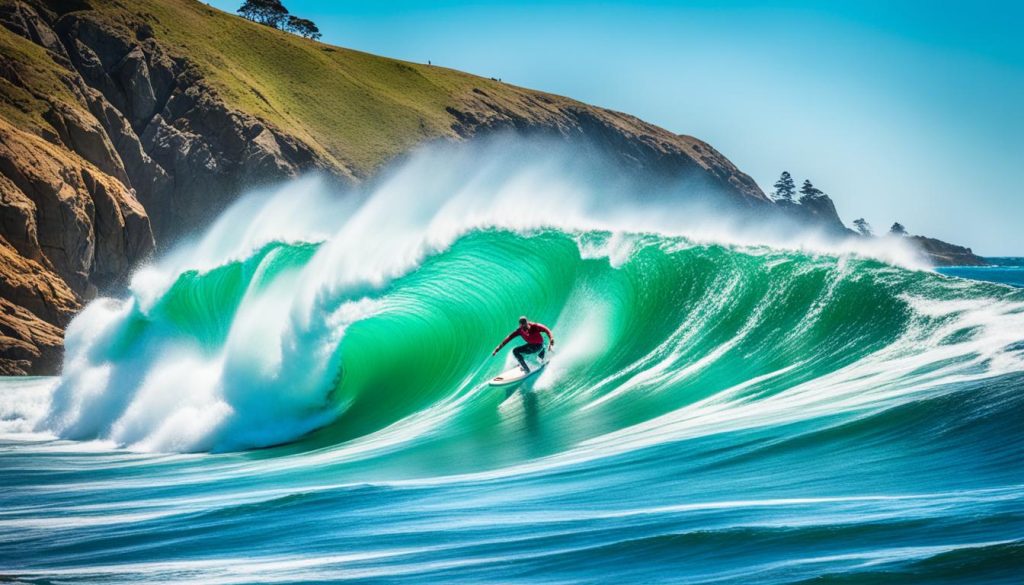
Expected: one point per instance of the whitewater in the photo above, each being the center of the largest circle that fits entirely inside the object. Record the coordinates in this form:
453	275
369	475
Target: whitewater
298	393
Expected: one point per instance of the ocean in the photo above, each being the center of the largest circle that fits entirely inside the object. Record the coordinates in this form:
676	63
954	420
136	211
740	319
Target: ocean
300	396
1002	270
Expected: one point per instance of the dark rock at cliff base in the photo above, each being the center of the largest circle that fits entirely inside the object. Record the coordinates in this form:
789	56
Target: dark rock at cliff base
941	253
35	305
818	213
29	345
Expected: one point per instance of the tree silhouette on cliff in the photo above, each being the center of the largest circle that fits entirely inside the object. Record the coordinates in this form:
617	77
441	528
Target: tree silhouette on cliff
863	226
808	191
785	188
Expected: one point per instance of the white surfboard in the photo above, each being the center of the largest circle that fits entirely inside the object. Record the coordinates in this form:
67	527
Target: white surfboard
515	375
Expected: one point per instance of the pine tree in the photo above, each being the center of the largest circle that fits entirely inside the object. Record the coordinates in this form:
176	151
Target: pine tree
897	229
809	191
785	188
863	227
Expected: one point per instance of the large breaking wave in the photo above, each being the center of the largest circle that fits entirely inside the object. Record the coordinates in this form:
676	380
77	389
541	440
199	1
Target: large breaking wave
370	317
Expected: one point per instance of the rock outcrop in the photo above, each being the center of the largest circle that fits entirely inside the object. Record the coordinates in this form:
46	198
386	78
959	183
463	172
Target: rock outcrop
818	212
130	147
942	253
69	231
35	304
184	151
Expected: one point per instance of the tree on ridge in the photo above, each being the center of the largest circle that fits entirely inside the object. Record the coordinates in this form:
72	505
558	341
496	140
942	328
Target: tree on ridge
785	188
863	227
269	12
303	27
808	191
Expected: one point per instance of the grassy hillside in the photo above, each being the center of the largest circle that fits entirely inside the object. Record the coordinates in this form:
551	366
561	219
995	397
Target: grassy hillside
27	76
352	107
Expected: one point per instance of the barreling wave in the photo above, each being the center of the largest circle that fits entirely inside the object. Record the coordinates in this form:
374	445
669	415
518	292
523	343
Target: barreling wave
366	321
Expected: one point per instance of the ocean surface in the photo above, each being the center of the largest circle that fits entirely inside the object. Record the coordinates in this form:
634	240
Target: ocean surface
300	396
1002	270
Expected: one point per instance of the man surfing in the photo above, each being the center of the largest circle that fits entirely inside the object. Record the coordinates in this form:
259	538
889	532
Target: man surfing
531	334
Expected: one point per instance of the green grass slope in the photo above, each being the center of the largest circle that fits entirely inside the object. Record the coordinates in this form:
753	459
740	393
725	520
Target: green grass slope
28	77
353	108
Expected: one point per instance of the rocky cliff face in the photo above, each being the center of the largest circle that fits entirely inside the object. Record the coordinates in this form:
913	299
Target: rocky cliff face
817	212
147	119
132	147
69	230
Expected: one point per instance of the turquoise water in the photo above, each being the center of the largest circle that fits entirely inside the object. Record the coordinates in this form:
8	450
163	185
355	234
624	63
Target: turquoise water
293	400
1003	270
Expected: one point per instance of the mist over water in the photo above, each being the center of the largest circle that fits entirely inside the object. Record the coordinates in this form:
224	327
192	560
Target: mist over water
730	399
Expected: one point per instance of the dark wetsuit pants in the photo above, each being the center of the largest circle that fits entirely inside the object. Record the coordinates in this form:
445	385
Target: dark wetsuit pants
528	349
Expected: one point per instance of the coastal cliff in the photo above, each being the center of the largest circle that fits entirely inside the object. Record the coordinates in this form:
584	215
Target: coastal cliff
942	253
125	125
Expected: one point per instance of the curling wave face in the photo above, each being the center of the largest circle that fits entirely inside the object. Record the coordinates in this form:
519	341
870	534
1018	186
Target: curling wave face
833	406
299	311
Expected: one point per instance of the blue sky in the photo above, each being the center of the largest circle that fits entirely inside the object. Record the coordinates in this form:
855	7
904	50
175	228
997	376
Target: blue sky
910	111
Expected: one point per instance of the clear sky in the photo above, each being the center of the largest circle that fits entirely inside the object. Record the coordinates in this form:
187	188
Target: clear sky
900	110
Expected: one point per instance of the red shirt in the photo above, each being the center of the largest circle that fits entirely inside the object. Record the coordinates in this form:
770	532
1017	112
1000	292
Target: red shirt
531	335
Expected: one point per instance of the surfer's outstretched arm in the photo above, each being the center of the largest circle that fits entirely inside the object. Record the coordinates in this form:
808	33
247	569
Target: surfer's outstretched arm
502	344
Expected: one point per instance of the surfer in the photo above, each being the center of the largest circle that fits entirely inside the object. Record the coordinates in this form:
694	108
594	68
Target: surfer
531	334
